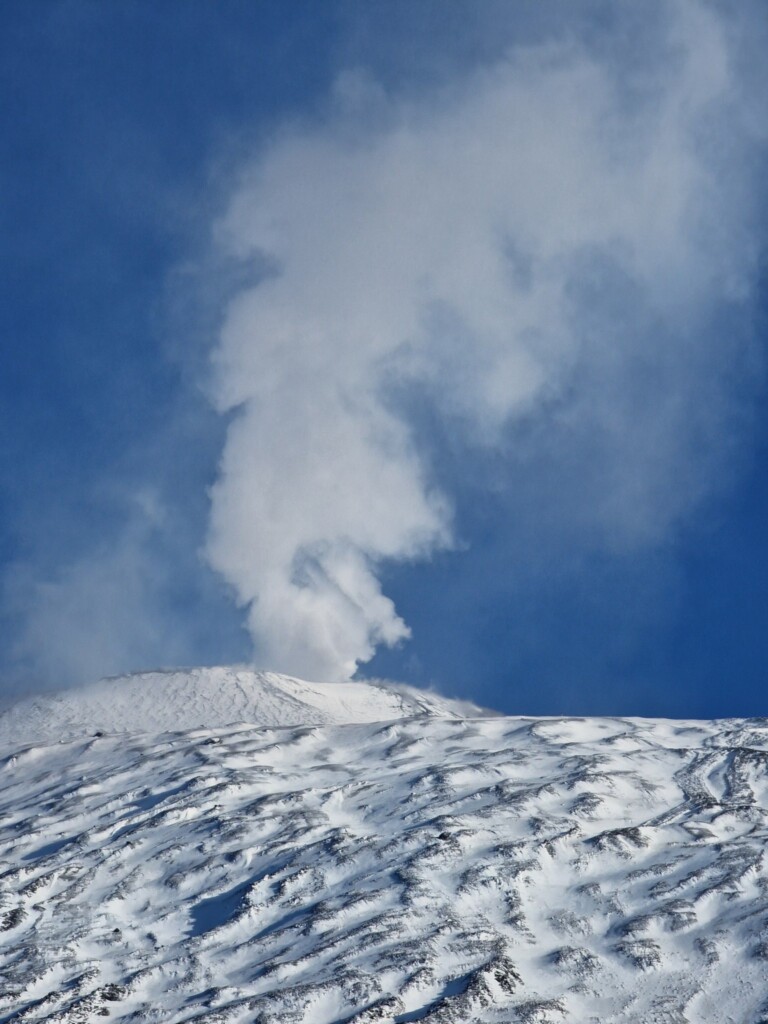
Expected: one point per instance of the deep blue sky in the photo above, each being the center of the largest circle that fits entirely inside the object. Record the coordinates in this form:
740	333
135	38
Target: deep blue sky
118	125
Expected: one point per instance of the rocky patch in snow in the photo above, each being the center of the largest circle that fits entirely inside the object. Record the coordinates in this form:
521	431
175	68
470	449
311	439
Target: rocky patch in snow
432	869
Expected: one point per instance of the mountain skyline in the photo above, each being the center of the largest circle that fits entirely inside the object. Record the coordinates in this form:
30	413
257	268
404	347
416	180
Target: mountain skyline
318	864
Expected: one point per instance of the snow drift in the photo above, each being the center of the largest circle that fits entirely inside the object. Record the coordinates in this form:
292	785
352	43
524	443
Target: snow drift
428	868
189	699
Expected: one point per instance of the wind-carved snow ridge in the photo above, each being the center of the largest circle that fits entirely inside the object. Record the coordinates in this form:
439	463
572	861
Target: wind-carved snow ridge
428	869
191	698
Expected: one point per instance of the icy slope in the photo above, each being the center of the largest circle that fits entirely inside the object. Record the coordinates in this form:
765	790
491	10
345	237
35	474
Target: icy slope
156	701
428	869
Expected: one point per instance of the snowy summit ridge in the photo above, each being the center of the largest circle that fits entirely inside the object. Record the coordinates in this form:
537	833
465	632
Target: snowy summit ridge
428	868
210	697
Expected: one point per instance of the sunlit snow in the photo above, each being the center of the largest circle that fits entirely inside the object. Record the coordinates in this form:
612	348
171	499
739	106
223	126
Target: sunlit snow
431	867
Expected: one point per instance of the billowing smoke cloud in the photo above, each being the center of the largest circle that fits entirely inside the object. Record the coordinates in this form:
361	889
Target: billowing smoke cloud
543	243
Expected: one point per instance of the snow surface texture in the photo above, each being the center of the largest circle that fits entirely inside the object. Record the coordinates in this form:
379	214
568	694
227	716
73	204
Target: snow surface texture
158	701
430	868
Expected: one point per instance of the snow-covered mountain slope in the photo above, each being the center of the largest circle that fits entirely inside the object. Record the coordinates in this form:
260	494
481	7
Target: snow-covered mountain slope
189	699
428	869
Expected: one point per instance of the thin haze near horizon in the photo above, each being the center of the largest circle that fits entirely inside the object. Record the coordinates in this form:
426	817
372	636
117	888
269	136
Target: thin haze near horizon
408	340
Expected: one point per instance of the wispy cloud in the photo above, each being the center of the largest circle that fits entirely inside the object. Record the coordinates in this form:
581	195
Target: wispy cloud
136	597
536	254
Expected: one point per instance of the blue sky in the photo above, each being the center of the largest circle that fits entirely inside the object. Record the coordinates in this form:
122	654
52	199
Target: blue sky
326	322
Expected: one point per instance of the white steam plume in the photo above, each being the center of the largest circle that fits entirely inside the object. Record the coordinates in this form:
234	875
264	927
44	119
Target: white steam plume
439	243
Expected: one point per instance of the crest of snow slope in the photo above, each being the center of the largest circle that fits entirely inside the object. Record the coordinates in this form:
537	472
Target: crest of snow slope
432	869
188	699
